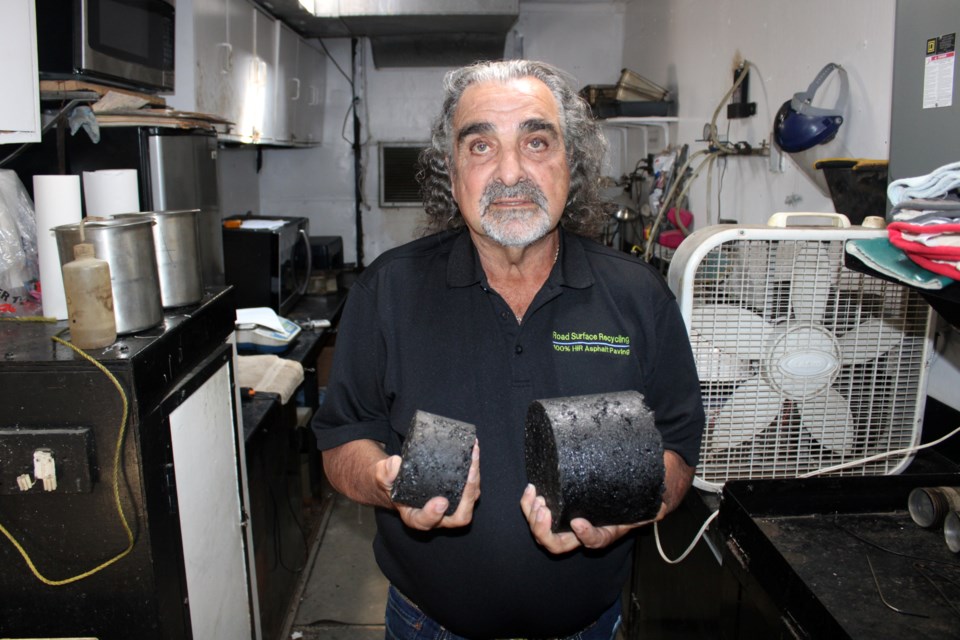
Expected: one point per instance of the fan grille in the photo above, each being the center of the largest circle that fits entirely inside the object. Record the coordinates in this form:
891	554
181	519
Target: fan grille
804	364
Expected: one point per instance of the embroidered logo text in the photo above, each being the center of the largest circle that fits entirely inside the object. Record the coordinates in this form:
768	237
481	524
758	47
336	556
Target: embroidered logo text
588	342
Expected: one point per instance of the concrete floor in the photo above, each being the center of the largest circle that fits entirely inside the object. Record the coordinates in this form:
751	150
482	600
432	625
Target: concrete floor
345	595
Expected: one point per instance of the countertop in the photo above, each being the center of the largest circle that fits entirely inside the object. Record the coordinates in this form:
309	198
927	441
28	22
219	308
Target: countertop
304	349
830	551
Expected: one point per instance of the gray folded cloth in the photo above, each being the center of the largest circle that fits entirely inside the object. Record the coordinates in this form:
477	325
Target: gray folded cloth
944	210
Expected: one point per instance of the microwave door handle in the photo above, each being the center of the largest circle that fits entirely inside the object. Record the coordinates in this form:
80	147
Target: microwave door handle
306	244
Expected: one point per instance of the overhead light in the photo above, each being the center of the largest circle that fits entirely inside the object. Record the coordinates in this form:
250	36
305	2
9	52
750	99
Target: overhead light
327	8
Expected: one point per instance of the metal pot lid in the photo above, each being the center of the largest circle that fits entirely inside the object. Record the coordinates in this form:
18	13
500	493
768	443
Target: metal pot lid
114	222
155	214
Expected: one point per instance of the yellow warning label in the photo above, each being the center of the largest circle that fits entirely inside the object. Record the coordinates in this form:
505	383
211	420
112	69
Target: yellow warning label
931	46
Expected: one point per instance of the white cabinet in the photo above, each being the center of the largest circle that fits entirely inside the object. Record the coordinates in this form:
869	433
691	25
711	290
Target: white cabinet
289	85
225	54
260	121
308	117
301	78
214	60
236	62
20	107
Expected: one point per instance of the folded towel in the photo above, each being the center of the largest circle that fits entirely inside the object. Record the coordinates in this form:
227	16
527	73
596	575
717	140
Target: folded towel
270	373
948	268
937	183
926	217
881	256
948	202
930	241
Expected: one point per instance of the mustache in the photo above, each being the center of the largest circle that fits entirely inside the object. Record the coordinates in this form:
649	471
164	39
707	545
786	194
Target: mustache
523	189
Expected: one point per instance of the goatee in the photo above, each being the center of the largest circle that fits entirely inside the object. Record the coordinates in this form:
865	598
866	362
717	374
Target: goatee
514	227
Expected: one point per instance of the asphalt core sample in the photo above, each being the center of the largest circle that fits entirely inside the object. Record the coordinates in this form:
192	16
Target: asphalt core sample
436	459
598	457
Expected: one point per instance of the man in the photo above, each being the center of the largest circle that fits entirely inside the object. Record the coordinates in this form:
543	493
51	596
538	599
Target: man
463	324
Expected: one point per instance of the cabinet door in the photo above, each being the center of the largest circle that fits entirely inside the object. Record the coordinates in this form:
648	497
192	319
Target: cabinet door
20	108
211	59
289	86
264	77
242	70
204	438
313	73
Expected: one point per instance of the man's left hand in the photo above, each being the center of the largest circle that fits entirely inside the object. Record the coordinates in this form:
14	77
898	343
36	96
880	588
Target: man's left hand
581	534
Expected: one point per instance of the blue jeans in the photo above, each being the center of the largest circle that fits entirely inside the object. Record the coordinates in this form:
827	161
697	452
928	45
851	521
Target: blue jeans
404	621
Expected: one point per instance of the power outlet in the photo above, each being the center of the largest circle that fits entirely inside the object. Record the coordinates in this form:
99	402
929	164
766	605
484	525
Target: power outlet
73	456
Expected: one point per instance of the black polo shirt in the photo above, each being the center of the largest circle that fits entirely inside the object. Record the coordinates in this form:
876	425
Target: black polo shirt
422	329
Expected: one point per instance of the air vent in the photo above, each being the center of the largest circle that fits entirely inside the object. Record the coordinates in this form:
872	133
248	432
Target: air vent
398	174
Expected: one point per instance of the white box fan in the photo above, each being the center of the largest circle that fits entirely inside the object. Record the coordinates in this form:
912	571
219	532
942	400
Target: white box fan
804	364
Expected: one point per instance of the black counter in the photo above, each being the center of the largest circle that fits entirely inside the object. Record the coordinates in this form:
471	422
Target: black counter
283	466
817	558
305	349
156	357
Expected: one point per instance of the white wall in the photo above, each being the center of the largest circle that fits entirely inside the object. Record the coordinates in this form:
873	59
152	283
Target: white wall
399	105
691	46
688	45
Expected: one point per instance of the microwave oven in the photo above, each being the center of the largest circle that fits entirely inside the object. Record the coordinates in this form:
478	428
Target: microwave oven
268	260
128	43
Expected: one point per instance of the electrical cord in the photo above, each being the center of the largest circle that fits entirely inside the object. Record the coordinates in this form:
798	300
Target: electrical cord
334	61
696	539
116	488
879	456
811	474
716	148
726	147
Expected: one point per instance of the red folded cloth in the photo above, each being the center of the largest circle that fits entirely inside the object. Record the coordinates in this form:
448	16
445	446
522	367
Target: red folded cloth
895	230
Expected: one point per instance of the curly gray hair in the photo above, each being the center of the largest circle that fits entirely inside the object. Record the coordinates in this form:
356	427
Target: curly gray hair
585	144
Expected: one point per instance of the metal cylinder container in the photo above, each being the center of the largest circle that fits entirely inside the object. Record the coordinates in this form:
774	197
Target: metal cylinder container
128	247
177	245
951	531
929	506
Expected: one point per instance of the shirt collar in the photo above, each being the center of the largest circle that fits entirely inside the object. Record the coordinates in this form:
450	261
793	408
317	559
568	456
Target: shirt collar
464	267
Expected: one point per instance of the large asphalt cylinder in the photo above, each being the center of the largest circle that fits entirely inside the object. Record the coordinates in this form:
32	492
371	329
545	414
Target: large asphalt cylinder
598	457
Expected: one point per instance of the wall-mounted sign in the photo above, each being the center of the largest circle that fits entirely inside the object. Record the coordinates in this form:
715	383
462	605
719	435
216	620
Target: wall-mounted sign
938	71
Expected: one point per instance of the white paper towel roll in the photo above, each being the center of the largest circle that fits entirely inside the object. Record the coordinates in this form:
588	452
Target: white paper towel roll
56	201
111	191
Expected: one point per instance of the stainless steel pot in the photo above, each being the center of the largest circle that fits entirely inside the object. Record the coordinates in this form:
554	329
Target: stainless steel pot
128	247
177	244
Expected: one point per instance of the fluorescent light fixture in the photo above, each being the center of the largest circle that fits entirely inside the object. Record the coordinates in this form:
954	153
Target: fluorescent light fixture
327	8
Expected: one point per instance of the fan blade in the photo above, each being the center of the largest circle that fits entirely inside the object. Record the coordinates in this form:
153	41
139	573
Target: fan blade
748	279
751	409
870	340
714	365
815	271
828	419
731	329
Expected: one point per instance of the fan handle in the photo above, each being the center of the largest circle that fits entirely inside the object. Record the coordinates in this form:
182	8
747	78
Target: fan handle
808	219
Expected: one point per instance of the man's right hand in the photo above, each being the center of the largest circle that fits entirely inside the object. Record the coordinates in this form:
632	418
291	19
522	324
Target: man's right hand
431	515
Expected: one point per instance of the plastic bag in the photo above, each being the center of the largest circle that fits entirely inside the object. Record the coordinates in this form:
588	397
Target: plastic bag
19	266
